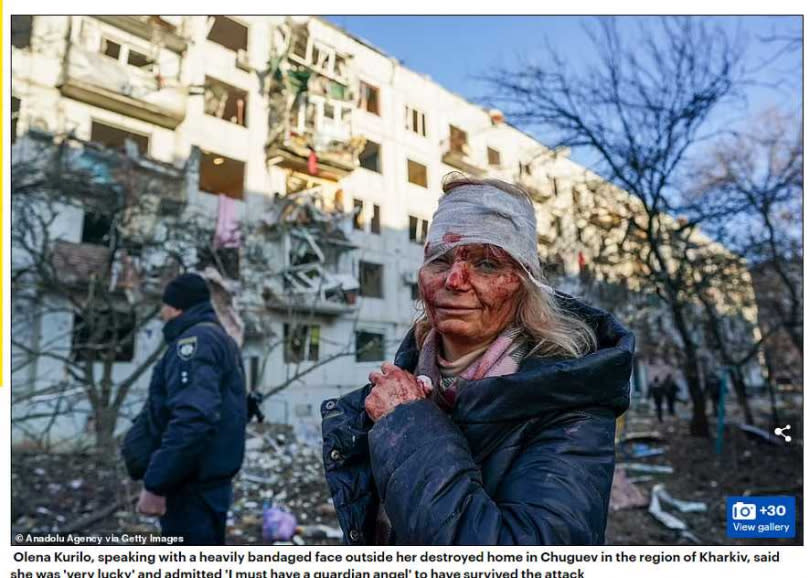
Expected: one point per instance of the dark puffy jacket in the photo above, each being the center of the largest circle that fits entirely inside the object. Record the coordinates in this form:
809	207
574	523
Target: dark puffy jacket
191	431
522	459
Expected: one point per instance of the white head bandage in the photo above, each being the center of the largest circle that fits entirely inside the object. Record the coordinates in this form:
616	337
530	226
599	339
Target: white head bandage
486	215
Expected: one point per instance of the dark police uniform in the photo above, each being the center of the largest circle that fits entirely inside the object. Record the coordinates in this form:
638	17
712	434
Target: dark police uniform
189	440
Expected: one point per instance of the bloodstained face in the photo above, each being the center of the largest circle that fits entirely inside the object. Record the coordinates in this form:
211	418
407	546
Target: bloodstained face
471	293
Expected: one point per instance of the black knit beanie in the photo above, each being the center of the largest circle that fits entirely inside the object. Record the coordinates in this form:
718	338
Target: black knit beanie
185	291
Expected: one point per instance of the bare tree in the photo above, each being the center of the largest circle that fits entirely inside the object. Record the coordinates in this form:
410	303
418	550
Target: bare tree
759	175
642	110
105	289
108	288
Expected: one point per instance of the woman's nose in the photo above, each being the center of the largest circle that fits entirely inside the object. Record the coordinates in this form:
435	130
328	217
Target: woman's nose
458	278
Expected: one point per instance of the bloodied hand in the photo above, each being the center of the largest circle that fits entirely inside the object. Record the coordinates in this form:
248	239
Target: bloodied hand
471	293
393	386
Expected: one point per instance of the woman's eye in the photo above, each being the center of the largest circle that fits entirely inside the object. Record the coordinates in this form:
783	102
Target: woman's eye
487	265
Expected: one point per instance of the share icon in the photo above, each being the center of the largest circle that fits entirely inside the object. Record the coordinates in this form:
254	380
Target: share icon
779	431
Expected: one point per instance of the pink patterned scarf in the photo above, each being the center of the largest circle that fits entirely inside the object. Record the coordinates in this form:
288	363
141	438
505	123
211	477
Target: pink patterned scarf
502	357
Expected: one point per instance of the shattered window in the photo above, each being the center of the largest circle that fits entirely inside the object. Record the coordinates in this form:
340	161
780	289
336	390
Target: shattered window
369	346
415	121
110	48
417	229
458	140
370	157
137	59
301	343
417	173
21	31
413	228
102	334
96	229
369	98
222	175
299	45
228	33
493	157
371	279
115	138
375	220
225	101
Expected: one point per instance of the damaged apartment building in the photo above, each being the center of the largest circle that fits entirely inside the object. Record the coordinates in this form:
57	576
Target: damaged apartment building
294	165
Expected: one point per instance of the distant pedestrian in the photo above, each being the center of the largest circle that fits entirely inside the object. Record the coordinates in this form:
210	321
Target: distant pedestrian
657	393
189	440
712	391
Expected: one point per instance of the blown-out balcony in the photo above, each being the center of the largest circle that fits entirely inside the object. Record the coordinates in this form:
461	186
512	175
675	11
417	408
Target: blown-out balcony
134	90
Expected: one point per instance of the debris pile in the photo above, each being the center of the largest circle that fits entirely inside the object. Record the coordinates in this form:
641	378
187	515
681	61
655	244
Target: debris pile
71	492
281	472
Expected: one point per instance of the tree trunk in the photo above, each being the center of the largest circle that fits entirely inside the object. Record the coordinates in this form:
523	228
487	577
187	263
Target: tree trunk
105	420
771	395
738	381
699	425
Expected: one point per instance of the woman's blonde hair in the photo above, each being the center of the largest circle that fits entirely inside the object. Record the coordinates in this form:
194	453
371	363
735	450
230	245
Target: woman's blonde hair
553	331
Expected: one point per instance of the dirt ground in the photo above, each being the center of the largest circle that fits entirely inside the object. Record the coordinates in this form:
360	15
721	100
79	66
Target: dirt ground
747	466
68	493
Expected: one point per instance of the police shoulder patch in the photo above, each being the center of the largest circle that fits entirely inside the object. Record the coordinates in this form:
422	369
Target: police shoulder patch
186	347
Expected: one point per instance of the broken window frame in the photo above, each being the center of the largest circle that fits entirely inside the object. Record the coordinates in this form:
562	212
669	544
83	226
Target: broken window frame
231	92
416	169
124	51
359	220
459	141
204	156
493	157
142	141
308	348
333	64
364	353
97	229
376	167
415	121
212	22
369	96
340	123
371	277
417	229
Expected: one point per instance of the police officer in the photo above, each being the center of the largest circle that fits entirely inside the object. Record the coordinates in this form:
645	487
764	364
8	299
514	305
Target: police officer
188	442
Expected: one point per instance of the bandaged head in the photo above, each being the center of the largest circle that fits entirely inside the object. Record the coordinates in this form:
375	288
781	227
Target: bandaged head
482	214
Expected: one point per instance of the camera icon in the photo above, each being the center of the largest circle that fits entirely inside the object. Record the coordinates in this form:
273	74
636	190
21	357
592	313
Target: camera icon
743	511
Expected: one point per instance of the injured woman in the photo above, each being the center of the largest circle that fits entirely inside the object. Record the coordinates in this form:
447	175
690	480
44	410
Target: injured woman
494	425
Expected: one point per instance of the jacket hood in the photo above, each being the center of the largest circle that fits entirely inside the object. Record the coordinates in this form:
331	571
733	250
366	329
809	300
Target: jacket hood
202	312
541	385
